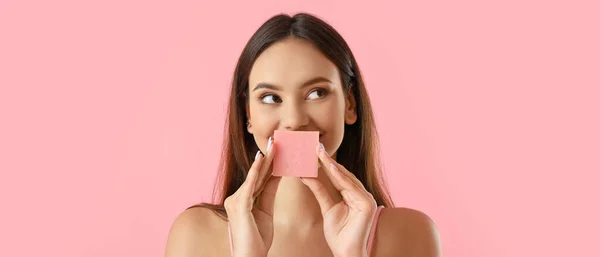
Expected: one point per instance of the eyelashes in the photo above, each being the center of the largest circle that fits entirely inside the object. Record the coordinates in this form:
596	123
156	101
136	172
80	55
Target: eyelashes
263	97
269	98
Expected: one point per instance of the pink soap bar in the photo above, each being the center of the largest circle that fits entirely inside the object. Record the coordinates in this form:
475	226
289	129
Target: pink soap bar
296	153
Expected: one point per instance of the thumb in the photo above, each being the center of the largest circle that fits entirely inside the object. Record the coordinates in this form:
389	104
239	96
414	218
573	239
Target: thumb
320	192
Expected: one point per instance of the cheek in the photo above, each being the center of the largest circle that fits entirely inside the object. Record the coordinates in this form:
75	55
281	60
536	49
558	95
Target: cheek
330	120
264	119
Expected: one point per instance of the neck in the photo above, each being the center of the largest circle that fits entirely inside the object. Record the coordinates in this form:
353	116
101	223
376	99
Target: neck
296	208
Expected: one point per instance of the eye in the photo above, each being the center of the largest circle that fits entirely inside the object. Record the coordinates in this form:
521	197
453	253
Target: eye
270	99
317	93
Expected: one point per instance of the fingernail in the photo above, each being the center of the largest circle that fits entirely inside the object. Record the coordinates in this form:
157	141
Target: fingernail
333	167
322	147
269	144
256	156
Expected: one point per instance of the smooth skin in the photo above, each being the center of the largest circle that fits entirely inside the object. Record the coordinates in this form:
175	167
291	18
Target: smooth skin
253	226
291	84
346	223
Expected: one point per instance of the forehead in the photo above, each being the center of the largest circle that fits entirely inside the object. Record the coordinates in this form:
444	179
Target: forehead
290	62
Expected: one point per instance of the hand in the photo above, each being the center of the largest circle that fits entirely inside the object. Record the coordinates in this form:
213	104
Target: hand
252	224
346	224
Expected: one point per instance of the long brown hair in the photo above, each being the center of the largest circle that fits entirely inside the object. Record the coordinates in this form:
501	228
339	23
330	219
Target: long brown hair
359	150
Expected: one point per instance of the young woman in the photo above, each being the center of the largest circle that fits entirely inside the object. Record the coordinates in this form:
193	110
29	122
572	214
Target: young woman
298	73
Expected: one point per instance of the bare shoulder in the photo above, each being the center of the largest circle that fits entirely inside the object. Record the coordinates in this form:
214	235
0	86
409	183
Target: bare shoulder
197	232
406	232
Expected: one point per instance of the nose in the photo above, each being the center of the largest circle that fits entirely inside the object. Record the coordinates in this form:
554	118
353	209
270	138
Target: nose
293	117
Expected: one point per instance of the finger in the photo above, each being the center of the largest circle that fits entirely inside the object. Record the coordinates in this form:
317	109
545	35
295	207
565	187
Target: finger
266	167
348	174
334	175
267	195
356	197
360	195
325	167
320	192
248	185
349	199
327	160
345	182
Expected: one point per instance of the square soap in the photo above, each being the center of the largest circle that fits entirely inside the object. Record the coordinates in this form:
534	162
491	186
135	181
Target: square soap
296	155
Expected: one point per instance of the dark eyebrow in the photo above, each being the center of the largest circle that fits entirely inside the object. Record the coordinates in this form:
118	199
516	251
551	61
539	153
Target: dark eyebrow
307	83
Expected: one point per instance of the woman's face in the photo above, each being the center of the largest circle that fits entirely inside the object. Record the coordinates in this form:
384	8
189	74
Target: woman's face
293	86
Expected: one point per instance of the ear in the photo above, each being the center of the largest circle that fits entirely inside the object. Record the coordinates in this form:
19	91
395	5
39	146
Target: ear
350	115
249	124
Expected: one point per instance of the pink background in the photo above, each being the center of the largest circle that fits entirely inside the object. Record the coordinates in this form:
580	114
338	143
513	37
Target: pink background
112	117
